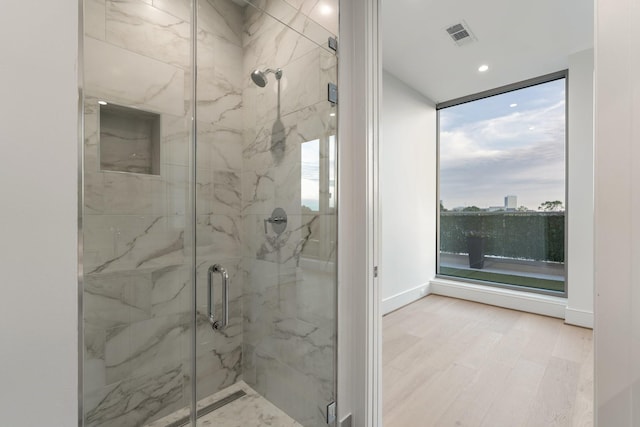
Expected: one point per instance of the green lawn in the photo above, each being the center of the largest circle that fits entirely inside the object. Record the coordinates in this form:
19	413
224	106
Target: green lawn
531	282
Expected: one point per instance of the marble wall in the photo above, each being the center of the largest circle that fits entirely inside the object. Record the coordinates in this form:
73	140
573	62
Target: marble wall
137	227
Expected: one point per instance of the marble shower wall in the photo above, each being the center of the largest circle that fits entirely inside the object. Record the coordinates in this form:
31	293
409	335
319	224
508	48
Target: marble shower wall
289	299
137	226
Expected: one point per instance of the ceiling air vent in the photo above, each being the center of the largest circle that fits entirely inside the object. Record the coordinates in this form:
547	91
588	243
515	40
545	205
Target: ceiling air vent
460	33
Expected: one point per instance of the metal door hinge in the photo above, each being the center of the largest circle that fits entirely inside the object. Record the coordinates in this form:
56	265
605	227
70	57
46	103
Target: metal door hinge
331	413
346	421
333	44
333	93
375	271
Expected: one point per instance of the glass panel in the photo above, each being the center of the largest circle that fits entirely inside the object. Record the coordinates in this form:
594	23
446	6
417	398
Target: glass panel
137	223
509	147
264	126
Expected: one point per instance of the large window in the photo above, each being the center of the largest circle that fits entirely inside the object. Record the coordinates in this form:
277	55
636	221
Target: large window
502	187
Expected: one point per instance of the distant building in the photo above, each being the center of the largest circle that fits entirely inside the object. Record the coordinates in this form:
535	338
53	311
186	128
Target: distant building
495	208
510	203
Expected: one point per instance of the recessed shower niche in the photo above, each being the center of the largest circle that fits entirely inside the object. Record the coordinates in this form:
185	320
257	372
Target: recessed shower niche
129	140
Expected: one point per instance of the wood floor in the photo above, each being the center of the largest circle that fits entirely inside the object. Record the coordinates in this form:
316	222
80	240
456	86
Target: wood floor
450	363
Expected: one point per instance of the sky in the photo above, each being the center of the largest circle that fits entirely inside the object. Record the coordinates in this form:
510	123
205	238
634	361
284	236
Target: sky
310	171
490	148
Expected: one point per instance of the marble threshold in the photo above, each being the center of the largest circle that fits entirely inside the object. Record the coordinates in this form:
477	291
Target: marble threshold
250	410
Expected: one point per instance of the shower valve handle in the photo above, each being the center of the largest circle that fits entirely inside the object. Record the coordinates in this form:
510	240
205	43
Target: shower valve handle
274	220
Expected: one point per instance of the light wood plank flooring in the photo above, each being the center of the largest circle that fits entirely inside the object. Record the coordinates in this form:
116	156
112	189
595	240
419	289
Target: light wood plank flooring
450	363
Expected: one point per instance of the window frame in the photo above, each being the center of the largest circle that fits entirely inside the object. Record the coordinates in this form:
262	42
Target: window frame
563	74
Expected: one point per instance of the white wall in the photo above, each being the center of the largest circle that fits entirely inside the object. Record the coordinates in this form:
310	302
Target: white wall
407	194
359	319
38	184
617	213
580	183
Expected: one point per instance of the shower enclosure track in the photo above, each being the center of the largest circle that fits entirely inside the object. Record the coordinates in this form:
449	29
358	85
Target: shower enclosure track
209	408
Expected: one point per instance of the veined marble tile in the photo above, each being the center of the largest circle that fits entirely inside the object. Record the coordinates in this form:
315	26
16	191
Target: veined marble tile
258	191
265	190
224	109
133	194
139	27
301	396
130	242
223	18
93	192
317	292
116	299
176	140
271	145
219	148
220	81
219	236
117	75
304	347
283	12
219	192
94	370
171	291
275	48
299	92
147	347
260	15
134	402
176	190
218	354
95	18
178	8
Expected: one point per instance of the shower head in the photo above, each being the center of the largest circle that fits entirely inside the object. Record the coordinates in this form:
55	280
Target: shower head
259	77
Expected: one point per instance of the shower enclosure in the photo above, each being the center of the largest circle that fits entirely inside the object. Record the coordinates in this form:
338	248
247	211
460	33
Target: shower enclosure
209	223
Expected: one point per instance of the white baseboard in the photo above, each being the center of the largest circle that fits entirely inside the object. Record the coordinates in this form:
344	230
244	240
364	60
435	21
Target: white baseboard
401	299
579	317
546	305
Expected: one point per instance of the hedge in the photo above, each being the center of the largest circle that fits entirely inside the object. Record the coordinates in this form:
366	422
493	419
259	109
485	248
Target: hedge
523	235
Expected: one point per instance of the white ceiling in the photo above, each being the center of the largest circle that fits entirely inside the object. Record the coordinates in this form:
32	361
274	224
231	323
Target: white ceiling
517	39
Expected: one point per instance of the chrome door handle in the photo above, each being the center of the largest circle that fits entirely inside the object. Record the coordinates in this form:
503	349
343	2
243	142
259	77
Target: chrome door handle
222	323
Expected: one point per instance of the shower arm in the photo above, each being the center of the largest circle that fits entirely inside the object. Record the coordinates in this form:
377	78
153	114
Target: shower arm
277	72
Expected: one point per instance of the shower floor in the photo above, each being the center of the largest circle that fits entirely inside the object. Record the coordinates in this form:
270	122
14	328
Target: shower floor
250	410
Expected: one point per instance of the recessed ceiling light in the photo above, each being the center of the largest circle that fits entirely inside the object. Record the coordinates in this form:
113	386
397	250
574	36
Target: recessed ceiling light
513	105
532	128
102	102
483	68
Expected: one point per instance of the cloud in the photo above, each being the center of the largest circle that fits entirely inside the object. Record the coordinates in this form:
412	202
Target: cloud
521	153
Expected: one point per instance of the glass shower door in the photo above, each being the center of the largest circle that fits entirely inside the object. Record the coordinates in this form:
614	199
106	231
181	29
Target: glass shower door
266	213
137	257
